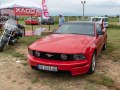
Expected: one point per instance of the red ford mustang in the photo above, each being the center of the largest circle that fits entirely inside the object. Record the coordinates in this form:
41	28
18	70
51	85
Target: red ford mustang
74	47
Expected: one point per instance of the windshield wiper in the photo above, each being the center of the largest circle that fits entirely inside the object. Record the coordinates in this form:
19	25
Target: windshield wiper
70	33
58	33
74	33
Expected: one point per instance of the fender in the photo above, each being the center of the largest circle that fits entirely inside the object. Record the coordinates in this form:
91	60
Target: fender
93	49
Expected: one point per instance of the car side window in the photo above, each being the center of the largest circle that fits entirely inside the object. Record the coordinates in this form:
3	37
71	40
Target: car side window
105	20
98	28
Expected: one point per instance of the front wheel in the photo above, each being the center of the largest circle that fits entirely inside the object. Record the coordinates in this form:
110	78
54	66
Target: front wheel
2	45
93	64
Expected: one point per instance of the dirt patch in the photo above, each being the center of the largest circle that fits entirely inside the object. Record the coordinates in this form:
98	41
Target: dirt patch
13	75
16	73
16	76
22	49
109	68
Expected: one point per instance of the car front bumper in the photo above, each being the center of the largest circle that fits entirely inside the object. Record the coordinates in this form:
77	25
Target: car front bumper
75	67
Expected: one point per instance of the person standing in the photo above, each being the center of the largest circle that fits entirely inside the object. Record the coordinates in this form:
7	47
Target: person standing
39	21
61	20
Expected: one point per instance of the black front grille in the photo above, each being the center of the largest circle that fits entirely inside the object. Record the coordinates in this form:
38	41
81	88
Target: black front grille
52	56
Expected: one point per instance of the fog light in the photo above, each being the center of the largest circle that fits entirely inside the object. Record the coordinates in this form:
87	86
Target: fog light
64	57
79	57
37	53
30	52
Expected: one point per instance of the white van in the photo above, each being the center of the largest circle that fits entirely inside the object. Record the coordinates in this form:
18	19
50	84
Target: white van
99	19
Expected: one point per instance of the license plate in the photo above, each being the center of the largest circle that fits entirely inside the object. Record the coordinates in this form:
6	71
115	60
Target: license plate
47	68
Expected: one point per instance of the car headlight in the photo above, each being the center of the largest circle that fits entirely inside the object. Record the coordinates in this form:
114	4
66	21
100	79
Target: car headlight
30	51
79	57
37	53
64	57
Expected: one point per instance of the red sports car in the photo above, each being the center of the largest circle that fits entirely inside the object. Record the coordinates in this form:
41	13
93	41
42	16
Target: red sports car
33	21
74	47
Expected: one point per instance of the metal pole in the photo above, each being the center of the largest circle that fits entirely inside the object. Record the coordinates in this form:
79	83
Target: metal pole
49	26
0	12
32	26
83	2
78	18
83	11
54	18
15	17
119	20
49	23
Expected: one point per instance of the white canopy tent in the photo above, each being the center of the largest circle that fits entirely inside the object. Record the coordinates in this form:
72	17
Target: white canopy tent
22	3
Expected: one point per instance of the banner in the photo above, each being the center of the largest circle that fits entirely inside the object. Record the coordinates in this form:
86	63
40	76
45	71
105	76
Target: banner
27	11
45	13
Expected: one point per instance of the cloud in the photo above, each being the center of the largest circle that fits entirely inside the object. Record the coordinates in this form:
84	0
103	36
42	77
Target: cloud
92	7
74	7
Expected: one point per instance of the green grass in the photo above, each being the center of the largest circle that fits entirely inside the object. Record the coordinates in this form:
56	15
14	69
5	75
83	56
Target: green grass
90	87
100	79
25	41
56	82
14	53
14	81
113	42
34	79
24	63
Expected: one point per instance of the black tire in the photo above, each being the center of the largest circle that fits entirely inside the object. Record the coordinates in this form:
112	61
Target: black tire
52	23
2	45
104	46
93	64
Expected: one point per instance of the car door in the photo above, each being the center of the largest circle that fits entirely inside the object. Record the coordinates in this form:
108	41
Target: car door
100	38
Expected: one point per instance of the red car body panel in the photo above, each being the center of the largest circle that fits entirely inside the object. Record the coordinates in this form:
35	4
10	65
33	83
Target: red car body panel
55	40
75	68
31	22
68	44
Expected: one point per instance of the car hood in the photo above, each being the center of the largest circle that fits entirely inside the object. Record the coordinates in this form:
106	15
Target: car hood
62	43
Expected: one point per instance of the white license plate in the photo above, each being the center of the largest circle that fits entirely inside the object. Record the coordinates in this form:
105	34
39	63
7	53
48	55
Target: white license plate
47	68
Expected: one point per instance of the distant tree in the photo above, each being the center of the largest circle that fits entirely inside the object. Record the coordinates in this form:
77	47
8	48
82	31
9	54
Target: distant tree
106	15
117	16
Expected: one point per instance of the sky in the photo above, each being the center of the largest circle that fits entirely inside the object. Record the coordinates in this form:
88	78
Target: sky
75	8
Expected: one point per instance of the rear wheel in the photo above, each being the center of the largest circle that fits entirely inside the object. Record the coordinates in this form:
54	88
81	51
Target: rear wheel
104	46
93	64
2	45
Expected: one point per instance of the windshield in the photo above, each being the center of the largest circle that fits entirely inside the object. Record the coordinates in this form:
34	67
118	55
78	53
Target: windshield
96	19
11	22
88	19
10	25
76	28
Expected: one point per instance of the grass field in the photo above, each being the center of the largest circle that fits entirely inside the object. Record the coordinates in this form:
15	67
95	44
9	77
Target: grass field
19	75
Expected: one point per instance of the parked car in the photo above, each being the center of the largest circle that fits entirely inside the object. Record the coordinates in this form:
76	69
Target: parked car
99	19
31	21
34	21
49	21
74	47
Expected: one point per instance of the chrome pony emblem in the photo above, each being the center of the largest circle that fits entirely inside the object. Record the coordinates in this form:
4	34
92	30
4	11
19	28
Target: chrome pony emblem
49	55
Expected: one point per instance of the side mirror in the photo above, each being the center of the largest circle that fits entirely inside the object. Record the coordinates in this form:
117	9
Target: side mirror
100	32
